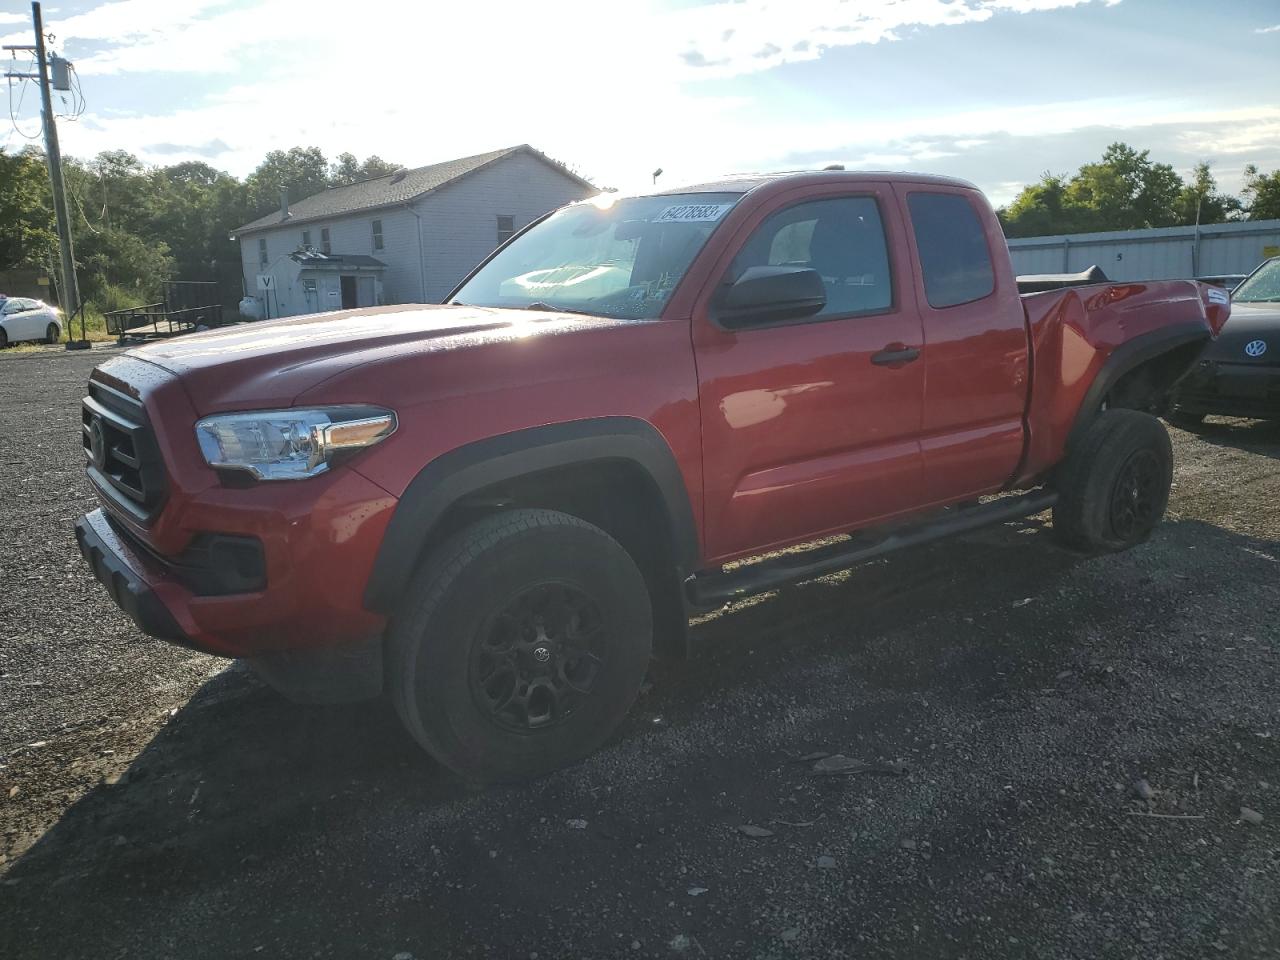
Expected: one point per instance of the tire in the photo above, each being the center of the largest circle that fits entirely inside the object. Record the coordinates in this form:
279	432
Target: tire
1114	487
4	338
51	333
480	613
1184	419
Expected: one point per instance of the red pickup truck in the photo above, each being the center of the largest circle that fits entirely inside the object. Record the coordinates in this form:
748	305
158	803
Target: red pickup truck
498	509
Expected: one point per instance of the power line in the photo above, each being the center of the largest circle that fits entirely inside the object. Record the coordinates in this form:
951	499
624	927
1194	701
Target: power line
14	111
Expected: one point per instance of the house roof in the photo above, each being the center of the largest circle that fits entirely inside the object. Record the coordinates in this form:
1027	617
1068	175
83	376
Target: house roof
392	189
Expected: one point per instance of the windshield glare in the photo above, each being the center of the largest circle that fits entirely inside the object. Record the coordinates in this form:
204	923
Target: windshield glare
615	259
1264	285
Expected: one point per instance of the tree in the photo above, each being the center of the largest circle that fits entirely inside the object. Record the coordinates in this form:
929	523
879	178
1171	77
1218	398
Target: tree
347	169
27	235
1200	202
1261	193
1126	190
113	257
302	171
1046	208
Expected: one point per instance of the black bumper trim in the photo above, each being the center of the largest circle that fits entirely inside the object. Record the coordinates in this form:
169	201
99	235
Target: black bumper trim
124	584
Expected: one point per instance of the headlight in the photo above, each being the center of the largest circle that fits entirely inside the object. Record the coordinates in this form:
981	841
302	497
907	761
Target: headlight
290	444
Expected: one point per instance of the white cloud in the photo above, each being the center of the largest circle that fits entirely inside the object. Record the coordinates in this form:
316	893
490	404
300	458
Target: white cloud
8	18
1275	29
744	36
610	88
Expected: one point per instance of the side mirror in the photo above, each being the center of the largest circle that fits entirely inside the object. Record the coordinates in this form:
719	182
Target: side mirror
771	294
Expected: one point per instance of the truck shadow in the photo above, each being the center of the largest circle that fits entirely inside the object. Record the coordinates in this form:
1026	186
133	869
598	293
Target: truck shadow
239	779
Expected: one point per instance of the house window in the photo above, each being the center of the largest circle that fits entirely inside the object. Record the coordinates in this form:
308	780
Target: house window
324	240
506	227
377	234
262	251
306	239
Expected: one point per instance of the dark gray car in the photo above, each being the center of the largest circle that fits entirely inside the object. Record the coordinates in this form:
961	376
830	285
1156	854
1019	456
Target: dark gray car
1239	373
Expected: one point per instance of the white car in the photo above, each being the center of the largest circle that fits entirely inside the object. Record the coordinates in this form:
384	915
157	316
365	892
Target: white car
22	318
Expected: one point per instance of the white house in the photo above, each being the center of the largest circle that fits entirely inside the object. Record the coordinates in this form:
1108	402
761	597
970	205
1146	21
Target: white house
408	237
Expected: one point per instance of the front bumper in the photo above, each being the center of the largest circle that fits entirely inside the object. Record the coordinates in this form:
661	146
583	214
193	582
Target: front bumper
191	578
1231	390
121	571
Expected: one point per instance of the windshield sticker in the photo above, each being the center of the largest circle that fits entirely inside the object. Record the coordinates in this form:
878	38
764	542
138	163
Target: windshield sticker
1217	295
693	213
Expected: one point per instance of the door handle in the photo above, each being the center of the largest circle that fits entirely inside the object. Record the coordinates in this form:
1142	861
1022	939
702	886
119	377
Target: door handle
895	355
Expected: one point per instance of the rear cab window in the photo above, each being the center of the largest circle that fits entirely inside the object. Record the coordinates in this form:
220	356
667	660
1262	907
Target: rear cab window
955	261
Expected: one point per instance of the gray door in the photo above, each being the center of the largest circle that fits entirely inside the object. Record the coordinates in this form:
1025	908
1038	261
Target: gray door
364	292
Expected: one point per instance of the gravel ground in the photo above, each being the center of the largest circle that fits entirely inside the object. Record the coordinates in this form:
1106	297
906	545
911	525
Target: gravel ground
1080	735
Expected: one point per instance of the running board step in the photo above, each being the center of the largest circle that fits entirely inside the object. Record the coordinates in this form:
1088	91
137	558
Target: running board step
720	586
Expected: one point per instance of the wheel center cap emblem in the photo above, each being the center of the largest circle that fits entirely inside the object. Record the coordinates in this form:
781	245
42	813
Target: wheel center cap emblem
97	443
541	654
1255	348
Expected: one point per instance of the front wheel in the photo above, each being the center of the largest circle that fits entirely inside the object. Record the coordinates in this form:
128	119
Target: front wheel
51	333
1113	488
520	645
4	338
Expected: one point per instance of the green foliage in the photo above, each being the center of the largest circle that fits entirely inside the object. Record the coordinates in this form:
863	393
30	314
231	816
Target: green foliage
1200	202
1125	190
135	226
27	235
1261	194
347	169
301	170
114	297
115	257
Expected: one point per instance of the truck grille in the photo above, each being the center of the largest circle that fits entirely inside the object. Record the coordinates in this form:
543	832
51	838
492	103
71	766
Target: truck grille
124	462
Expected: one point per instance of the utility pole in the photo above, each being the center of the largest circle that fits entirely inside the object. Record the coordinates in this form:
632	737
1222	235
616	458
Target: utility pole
70	288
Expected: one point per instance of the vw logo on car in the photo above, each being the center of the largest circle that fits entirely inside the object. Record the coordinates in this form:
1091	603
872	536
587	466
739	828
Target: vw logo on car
1255	348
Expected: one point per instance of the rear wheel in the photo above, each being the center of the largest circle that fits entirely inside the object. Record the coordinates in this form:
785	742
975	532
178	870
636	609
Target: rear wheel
520	645
1113	488
51	333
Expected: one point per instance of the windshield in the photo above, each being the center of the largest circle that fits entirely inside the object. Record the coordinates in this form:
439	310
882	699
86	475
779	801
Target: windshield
1262	286
615	258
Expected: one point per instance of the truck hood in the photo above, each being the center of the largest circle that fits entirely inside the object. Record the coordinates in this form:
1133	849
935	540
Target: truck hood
1248	322
270	363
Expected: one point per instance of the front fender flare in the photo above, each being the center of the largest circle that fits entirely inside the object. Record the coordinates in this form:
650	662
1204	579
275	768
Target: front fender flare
454	475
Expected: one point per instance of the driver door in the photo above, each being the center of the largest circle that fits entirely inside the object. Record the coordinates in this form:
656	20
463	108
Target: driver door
809	427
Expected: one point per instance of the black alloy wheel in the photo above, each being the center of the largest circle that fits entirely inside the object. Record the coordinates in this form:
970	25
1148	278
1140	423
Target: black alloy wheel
539	657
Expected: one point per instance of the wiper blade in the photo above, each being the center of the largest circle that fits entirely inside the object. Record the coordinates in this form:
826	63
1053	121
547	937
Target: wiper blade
552	308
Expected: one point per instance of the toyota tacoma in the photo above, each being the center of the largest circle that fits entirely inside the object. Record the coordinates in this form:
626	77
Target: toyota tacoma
496	510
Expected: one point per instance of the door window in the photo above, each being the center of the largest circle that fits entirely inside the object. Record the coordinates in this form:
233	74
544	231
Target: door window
954	258
842	239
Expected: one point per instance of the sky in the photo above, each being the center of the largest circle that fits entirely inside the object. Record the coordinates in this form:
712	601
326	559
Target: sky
995	91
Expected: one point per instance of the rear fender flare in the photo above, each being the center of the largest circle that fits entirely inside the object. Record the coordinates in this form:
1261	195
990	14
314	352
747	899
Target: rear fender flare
466	470
1126	358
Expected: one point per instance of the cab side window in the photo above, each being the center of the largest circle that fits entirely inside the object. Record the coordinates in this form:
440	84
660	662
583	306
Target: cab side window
954	258
842	239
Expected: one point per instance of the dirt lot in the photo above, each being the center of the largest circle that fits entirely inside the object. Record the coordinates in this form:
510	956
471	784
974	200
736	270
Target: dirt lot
160	803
